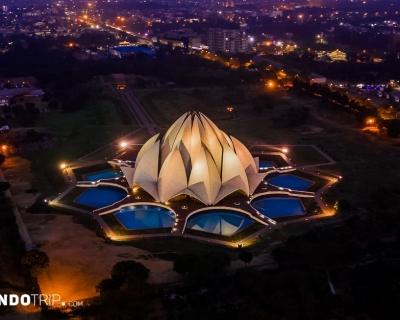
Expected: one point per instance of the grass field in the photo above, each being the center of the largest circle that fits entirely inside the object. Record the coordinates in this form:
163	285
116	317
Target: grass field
366	162
165	106
305	155
79	133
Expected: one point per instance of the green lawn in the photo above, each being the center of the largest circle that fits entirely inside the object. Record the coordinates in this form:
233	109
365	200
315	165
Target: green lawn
305	155
165	106
79	133
108	78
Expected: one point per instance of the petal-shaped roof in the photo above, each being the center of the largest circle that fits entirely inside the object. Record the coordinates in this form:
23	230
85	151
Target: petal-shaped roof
196	158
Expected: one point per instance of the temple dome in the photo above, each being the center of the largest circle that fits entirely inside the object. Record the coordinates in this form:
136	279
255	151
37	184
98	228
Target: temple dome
195	158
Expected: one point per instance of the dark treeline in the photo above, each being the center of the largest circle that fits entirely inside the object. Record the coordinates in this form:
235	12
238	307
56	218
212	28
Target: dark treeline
336	100
54	65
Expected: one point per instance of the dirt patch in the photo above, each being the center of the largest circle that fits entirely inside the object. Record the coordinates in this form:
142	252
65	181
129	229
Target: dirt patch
79	259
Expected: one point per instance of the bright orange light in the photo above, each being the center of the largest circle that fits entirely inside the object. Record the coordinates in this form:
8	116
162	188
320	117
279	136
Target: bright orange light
63	166
71	44
85	16
285	150
230	109
4	147
123	144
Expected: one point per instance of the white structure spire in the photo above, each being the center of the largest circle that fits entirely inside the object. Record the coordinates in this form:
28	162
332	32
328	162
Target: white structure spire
195	158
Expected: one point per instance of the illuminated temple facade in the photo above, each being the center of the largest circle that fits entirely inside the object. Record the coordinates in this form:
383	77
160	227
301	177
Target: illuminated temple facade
194	158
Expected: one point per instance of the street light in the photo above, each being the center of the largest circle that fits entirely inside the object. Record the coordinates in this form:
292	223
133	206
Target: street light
285	150
123	144
63	166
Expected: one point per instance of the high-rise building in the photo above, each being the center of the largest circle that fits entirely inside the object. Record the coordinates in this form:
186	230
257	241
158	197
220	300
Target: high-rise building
226	40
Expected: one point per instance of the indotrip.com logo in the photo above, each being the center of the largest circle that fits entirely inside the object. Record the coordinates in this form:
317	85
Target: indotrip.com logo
49	300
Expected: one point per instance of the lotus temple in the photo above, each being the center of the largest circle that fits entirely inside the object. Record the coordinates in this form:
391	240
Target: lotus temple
193	181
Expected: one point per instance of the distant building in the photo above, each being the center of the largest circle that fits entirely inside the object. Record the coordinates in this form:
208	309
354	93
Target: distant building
226	40
120	81
34	13
177	38
4	101
172	43
275	13
179	34
197	44
19	95
337	55
331	55
123	51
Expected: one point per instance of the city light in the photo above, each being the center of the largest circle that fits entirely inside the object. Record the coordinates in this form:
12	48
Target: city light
123	144
63	166
285	150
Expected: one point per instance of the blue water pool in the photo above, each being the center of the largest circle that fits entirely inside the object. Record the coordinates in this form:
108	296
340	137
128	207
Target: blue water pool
277	207
144	217
109	174
289	181
265	164
224	222
101	196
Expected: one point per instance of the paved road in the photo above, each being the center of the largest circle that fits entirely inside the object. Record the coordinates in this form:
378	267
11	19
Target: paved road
138	112
107	145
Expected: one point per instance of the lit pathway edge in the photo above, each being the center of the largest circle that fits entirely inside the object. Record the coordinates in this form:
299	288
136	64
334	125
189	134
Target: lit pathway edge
327	212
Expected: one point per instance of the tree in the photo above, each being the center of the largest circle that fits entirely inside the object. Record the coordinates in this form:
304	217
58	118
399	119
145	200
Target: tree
107	286
185	263
219	259
245	256
342	205
53	105
36	261
130	272
29	105
202	271
4	185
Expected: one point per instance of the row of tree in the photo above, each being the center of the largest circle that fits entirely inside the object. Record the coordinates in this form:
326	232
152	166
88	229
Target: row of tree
336	99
